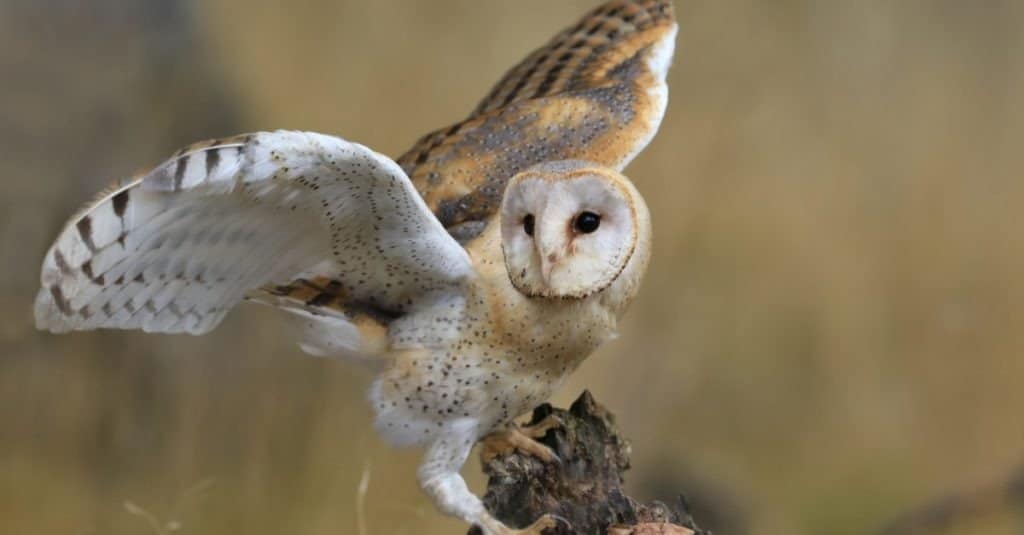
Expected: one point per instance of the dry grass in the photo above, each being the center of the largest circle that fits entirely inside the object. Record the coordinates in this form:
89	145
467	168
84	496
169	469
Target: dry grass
830	332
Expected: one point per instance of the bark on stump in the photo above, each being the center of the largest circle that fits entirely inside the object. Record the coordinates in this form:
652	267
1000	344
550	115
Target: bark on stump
586	487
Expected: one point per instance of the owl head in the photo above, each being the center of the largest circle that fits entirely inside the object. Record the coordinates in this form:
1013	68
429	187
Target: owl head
572	229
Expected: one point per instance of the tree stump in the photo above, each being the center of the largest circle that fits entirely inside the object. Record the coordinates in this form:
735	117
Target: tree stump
585	487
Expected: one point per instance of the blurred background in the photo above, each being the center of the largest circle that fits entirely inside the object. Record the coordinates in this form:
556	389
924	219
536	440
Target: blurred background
830	335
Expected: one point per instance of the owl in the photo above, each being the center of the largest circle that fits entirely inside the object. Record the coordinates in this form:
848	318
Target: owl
473	274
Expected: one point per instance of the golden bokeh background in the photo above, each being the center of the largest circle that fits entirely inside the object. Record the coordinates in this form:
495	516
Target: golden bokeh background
831	332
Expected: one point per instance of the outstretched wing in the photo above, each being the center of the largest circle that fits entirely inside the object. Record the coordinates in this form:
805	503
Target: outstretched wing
175	249
595	92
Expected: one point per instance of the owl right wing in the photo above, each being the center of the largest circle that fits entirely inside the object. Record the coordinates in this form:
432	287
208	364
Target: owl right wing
175	249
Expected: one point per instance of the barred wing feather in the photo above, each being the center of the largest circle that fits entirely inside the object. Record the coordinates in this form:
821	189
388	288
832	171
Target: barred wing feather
175	249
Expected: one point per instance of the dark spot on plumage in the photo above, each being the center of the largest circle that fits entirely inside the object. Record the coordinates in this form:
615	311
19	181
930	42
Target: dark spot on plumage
58	299
120	202
212	159
524	80
549	80
87	269
84	227
179	171
62	263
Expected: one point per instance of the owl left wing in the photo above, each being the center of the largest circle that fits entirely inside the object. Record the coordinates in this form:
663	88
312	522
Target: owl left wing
175	249
597	91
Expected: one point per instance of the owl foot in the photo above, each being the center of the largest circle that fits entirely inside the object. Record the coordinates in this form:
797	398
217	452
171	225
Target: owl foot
548	524
516	438
439	476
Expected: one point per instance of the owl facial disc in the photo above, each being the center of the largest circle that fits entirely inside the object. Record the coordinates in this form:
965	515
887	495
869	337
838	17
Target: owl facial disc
568	229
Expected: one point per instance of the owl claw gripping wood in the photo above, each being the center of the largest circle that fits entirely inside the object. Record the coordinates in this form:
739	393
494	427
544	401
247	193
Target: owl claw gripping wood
475	273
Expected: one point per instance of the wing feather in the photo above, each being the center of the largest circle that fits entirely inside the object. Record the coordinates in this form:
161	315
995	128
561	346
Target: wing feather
176	248
595	92
582	55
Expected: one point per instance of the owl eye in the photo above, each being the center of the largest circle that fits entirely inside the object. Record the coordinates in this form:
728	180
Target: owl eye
587	222
528	224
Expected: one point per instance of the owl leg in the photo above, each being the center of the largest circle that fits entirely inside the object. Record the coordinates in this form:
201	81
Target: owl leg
440	479
522	439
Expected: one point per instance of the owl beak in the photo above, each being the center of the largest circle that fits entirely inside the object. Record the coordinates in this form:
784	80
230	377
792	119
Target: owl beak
549	257
545	269
550	237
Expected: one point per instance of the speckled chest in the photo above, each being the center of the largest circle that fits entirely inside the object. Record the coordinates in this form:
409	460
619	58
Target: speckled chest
486	359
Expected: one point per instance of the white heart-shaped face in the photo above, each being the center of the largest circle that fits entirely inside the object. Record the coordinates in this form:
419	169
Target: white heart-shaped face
567	230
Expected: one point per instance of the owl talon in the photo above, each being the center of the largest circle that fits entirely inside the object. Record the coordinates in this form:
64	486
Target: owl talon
542	427
515	438
548	524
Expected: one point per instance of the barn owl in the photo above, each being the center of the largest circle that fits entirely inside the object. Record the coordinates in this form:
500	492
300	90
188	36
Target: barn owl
473	274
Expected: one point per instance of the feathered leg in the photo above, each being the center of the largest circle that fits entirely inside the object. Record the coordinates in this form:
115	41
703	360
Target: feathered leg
440	479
